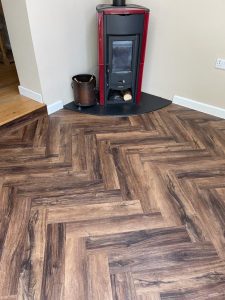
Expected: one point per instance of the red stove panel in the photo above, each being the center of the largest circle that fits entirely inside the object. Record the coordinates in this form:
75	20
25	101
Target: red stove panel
119	27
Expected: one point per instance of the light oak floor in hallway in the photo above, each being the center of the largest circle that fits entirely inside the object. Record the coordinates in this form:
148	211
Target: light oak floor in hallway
12	105
102	208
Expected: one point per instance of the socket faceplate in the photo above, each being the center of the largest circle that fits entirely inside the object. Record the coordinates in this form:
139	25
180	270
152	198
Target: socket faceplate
220	63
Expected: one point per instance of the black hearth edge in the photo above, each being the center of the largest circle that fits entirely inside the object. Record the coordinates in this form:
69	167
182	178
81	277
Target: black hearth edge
148	103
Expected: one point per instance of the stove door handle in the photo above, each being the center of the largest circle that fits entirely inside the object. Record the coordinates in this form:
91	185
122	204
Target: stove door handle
107	72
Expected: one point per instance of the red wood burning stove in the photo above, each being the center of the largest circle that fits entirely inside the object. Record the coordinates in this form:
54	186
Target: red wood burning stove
122	31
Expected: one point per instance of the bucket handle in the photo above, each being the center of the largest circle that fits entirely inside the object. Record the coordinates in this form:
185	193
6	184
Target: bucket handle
81	82
88	81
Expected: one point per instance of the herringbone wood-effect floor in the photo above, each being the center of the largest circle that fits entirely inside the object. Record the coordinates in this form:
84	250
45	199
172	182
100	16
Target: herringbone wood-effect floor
104	208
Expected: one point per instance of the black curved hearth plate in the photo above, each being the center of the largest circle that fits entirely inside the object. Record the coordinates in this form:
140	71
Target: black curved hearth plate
148	103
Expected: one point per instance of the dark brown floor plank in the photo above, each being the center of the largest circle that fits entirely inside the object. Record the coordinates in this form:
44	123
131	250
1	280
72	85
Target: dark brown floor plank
143	240
99	284
113	208
108	166
75	268
92	211
114	225
14	245
123	286
54	265
168	279
182	255
31	276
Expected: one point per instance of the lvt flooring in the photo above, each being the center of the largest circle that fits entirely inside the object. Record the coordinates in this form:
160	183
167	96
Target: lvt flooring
12	104
108	208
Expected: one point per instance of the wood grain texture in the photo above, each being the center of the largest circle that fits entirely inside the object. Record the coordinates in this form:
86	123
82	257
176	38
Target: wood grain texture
99	284
54	265
113	208
108	166
81	213
31	276
12	104
14	246
123	286
75	268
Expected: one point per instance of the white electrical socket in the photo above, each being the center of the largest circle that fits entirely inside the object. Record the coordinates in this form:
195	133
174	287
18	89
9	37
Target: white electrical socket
220	63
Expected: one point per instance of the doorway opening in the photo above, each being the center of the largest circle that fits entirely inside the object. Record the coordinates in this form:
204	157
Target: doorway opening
8	74
12	104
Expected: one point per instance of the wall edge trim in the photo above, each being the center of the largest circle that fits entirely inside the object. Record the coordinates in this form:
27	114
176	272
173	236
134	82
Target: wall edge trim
54	107
30	94
199	106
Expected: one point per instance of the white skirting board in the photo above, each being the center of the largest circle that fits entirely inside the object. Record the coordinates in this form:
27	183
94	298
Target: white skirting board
54	107
30	94
199	106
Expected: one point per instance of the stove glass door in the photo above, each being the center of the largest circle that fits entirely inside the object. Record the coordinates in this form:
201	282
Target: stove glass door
122	53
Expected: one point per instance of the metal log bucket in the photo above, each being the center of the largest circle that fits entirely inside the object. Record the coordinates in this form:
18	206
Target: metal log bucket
84	89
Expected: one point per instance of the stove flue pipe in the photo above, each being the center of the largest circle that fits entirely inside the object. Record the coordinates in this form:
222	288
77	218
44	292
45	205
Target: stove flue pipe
119	2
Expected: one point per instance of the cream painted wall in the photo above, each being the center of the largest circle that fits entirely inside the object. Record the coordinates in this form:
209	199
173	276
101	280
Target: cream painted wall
185	39
21	41
65	41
